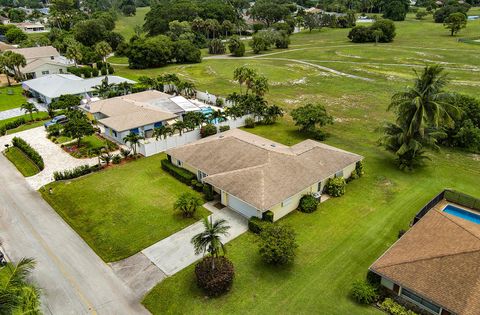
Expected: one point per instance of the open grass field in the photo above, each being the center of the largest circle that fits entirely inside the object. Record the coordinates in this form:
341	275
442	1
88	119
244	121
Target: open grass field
125	25
21	162
9	101
122	210
339	241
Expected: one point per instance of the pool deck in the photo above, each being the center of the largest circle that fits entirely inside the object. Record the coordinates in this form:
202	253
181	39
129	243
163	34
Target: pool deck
474	228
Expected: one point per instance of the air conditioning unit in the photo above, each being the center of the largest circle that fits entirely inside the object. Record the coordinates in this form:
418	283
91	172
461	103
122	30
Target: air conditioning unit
317	195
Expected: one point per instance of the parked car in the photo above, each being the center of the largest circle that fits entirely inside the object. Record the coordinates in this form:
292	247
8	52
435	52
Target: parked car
61	119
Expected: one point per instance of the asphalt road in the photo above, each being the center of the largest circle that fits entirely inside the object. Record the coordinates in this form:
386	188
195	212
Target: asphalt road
73	279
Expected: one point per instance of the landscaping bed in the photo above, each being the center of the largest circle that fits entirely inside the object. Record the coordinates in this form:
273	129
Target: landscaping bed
90	146
122	210
21	162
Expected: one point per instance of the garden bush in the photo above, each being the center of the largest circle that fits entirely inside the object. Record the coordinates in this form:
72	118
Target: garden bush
224	128
373	278
198	187
208	192
267	216
216	47
336	187
76	172
54	130
249	122
393	308
208	130
217	281
12	125
363	34
278	244
256	225
179	173
363	292
30	152
116	159
359	168
308	204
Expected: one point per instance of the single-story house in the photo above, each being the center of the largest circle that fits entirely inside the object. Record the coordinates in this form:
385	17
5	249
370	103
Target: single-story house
52	86
42	61
254	175
178	105
28	27
436	263
139	113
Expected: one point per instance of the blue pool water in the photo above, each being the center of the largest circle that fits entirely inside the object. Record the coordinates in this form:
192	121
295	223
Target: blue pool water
466	215
206	111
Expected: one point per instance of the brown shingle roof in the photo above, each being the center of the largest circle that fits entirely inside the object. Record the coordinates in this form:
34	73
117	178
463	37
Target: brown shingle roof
37	52
261	172
439	259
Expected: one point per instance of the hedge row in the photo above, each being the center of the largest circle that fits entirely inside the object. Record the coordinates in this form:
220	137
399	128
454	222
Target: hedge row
179	173
89	72
76	172
12	125
256	225
29	151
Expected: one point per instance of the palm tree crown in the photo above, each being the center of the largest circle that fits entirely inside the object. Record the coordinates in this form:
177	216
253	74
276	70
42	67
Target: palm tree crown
209	241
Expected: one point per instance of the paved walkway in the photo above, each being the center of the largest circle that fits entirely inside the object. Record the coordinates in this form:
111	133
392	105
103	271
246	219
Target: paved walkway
16	112
73	279
175	252
54	157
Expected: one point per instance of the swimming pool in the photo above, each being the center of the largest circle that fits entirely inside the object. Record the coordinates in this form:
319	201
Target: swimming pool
464	214
206	111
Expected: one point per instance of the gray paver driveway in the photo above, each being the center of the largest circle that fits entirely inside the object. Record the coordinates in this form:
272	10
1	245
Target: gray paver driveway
54	157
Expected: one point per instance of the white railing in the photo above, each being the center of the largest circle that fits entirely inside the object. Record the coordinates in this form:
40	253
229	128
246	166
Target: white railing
151	146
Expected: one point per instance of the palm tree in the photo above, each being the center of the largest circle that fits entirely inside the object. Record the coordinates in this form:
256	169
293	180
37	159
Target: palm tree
243	75
187	89
16	294
133	139
29	108
217	115
209	241
162	131
104	88
125	86
103	49
194	119
426	104
17	61
179	125
272	113
377	34
187	203
259	85
4	66
74	52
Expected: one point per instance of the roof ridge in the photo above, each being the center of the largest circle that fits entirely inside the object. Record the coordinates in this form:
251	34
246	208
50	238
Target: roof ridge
239	169
430	258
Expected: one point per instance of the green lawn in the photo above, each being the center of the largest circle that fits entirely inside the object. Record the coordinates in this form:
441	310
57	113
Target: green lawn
340	240
118	60
89	146
122	210
14	100
21	162
125	25
40	118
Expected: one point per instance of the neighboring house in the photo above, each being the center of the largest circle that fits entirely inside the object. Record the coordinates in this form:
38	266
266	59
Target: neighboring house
42	61
49	87
4	20
253	174
436	263
139	113
28	27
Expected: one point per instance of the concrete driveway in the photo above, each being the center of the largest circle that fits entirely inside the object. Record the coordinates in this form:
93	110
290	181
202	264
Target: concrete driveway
54	157
73	279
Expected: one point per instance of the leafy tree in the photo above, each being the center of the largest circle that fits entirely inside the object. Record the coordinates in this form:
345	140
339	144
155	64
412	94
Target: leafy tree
176	29
443	13
282	39
361	34
15	35
151	52
103	49
420	15
455	22
262	40
278	244
78	126
388	30
89	32
128	7
236	46
209	241
395	10
270	11
309	116
161	14
312	21
29	108
186	52
16	15
187	203
133	140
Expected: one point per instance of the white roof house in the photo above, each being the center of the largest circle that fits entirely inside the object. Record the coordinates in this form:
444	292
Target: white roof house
42	61
50	87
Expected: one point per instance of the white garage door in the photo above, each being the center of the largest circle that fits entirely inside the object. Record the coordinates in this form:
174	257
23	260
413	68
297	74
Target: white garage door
241	207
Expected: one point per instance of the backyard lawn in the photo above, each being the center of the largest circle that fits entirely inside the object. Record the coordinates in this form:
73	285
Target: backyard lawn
21	162
122	210
125	25
339	241
11	97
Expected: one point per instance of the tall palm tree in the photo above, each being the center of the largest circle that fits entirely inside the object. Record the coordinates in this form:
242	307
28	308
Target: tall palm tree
4	66
259	85
209	241
125	86
217	115
272	113
426	104
16	61
180	126
133	139
103	49
74	52
29	108
162	131
243	75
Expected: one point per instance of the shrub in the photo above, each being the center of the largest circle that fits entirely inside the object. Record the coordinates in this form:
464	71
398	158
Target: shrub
30	152
317	134
267	216
216	47
363	292
373	278
3	130
187	204
336	186
14	124
353	175
125	152
116	159
95	72
219	102
363	34
208	130
179	173
359	168
54	130
198	187
208	192
249	122
236	46
224	128
393	308
217	281
256	225
278	244
308	204
76	172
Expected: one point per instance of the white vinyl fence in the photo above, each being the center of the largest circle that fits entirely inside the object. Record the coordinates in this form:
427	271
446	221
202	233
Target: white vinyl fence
149	147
